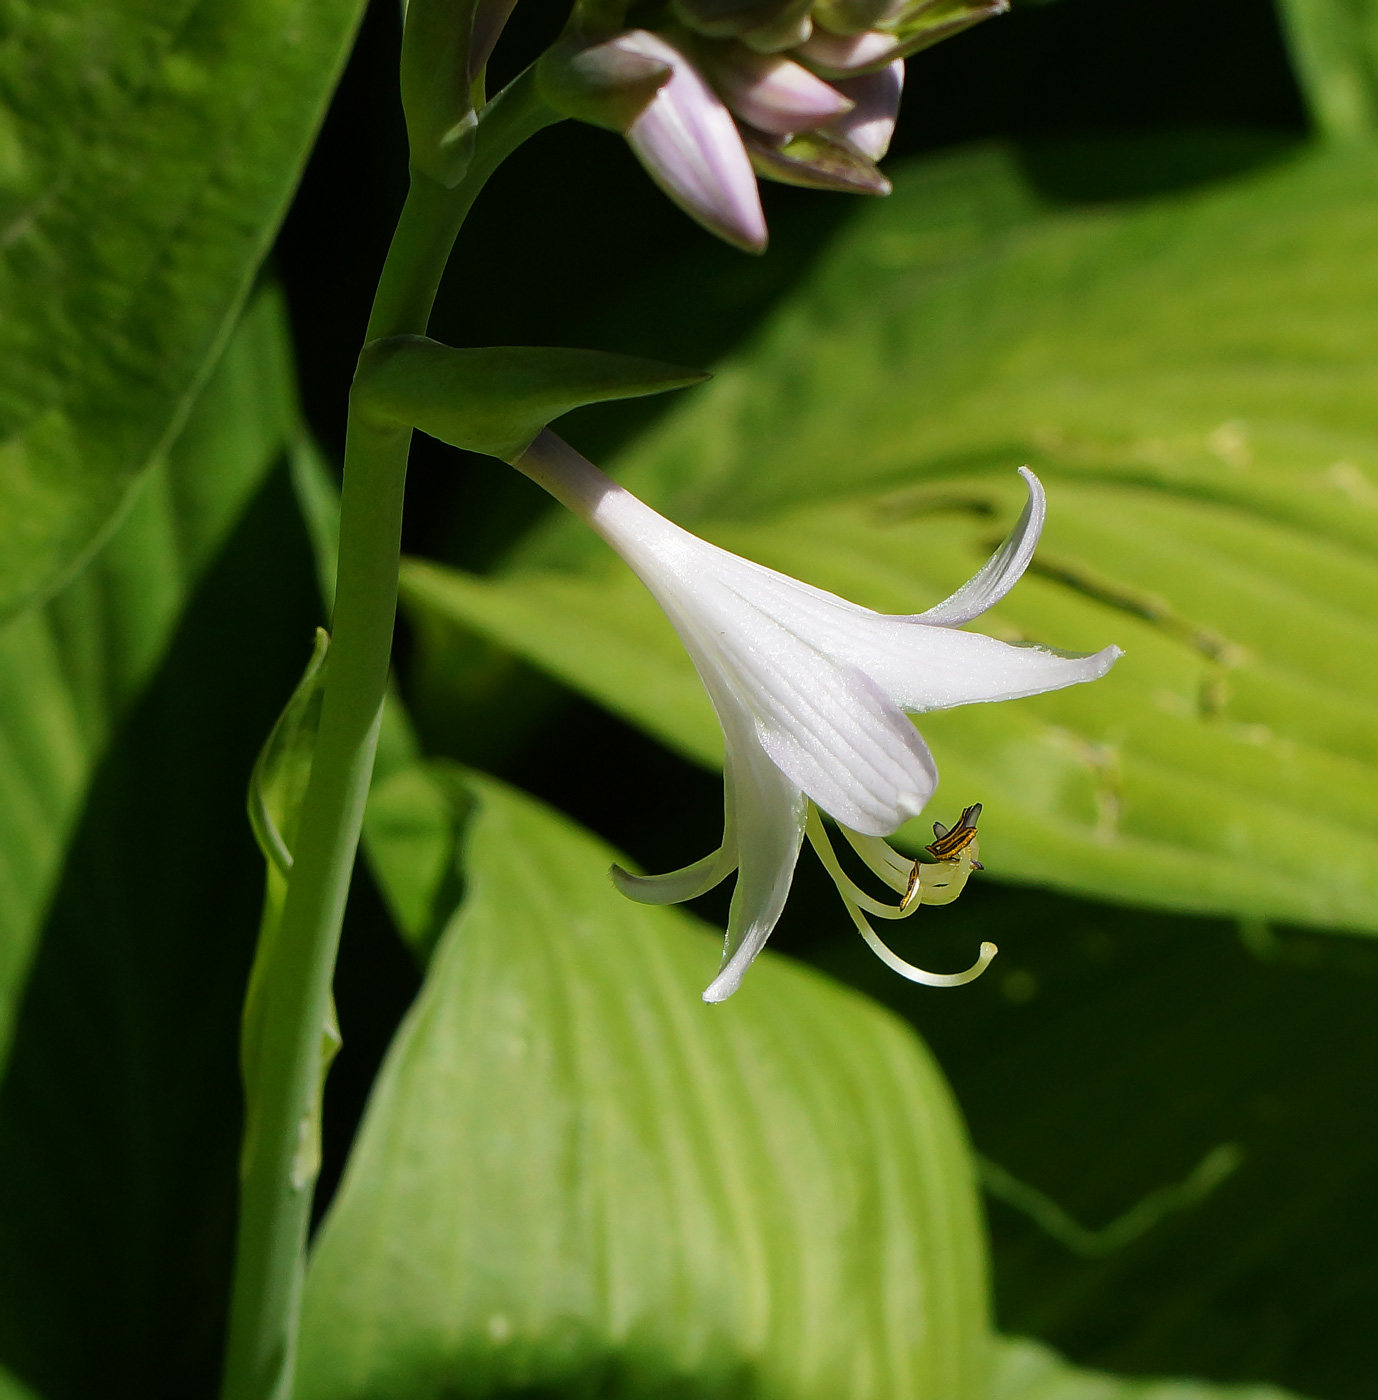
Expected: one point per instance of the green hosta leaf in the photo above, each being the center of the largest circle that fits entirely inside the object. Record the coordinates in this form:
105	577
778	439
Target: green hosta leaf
1196	383
573	1174
70	670
1335	54
1026	1371
12	1389
1215	1220
147	151
120	1106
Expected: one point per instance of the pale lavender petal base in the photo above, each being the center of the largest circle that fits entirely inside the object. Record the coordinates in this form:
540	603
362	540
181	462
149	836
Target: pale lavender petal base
690	146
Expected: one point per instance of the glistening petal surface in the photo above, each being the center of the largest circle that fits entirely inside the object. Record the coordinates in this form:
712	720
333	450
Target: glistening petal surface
823	722
768	813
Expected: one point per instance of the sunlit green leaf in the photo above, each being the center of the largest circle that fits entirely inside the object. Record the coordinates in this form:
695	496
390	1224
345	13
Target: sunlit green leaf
147	151
1335	57
575	1174
1182	1115
1196	381
1026	1371
70	670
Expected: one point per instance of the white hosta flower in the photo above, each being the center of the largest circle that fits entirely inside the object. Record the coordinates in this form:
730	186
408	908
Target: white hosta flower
812	693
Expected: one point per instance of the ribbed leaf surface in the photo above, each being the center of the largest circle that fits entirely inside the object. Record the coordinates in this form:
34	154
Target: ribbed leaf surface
147	151
575	1175
70	670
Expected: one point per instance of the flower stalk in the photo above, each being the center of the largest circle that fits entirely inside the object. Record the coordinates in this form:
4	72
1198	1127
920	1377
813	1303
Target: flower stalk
275	1196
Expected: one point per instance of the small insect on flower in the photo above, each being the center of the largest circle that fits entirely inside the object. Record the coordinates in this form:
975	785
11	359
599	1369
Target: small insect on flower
951	843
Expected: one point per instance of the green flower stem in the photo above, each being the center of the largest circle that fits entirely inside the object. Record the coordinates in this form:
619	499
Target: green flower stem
278	1180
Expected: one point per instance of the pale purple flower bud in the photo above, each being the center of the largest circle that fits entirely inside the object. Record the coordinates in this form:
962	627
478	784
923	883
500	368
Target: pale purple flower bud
781	22
870	124
691	148
842	56
916	27
787	31
772	93
851	16
606	84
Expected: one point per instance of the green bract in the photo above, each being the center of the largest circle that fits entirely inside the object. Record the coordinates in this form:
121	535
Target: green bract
496	399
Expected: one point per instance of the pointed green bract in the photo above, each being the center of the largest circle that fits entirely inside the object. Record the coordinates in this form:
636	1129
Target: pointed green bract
276	788
574	1174
147	152
1195	382
496	400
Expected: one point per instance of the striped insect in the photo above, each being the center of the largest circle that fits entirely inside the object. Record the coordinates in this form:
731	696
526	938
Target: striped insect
950	843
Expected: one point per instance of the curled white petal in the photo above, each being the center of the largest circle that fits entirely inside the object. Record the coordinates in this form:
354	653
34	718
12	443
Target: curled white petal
676	886
1002	570
691	148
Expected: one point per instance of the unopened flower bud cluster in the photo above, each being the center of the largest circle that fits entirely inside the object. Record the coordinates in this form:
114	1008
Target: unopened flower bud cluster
712	93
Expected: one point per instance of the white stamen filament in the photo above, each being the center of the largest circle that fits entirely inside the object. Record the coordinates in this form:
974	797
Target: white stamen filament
849	890
856	902
882	860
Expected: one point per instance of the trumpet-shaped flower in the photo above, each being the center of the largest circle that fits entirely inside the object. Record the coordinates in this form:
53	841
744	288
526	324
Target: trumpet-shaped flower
812	693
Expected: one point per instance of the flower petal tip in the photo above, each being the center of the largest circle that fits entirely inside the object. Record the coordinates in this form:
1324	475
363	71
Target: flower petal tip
721	987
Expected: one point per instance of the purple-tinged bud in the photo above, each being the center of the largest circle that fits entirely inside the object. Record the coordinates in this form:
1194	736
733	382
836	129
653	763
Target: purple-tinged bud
445	46
435	87
772	93
870	124
787	30
915	28
766	25
838	56
607	84
815	161
691	148
850	16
